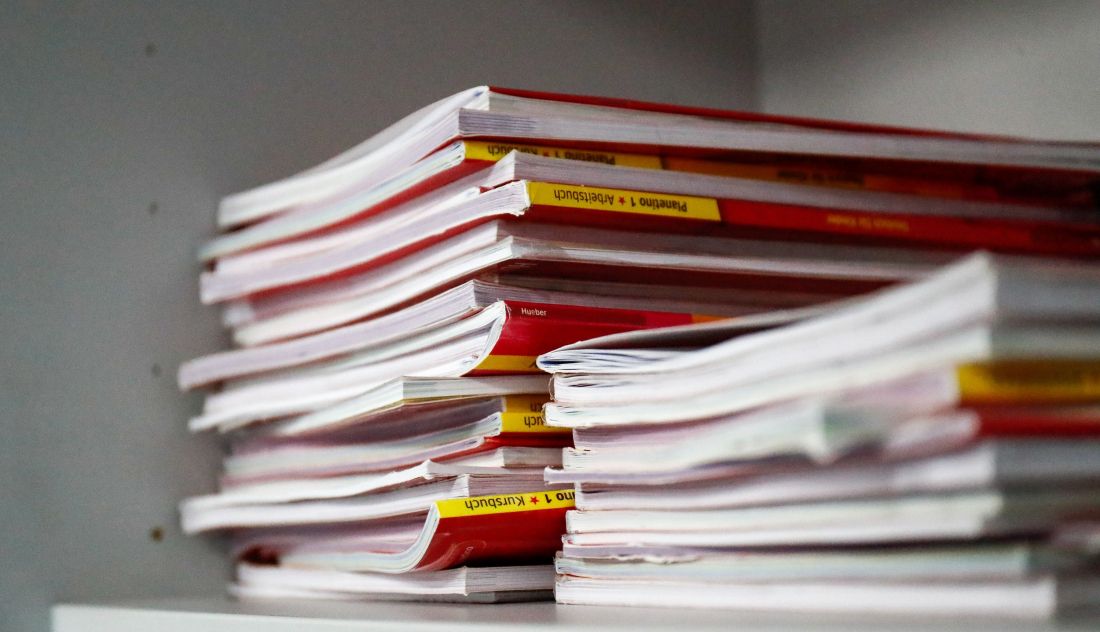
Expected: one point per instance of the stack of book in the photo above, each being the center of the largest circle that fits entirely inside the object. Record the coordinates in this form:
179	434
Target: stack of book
933	448
389	305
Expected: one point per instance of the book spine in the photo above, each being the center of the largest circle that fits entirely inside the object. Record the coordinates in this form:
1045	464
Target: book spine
548	195
522	415
1035	421
682	213
1007	235
505	503
834	177
492	151
504	529
959	182
531	329
433	183
1029	382
736	115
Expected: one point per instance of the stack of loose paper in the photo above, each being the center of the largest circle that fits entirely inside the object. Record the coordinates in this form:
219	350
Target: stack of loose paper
388	306
933	448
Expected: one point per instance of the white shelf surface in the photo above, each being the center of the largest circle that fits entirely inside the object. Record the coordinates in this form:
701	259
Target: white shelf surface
215	614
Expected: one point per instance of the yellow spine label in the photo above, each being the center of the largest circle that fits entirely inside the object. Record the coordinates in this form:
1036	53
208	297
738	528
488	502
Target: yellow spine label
885	224
505	503
510	363
727	169
492	152
523	414
838	178
1030	381
623	201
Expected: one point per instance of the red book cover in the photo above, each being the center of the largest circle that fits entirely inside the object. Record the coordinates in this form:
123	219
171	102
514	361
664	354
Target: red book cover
734	115
531	329
1018	178
520	423
969	425
683	213
496	530
1070	181
499	530
1037	421
1017	236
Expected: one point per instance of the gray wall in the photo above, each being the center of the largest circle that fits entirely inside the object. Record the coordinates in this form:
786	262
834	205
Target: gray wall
1001	66
121	124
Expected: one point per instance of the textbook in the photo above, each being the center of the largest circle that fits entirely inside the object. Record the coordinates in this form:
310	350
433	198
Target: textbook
429	549
518	423
576	192
334	487
347	499
410	407
965	515
991	464
479	531
466	162
501	338
589	122
518	404
968	367
493	584
802	429
473	531
974	288
960	323
826	271
956	447
1044	596
1012	559
459	302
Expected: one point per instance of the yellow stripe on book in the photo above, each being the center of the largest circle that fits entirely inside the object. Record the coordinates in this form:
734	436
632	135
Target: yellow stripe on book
1030	381
515	363
489	151
505	503
837	178
623	201
523	414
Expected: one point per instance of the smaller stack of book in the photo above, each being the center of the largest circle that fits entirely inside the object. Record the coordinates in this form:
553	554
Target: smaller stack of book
932	448
345	498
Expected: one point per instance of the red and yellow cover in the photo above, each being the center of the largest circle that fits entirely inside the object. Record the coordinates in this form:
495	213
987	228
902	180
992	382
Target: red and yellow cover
959	182
1037	421
1042	183
975	422
531	329
520	424
1029	382
499	530
493	530
681	213
524	422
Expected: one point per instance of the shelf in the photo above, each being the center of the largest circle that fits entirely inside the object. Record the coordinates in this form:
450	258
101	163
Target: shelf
224	615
